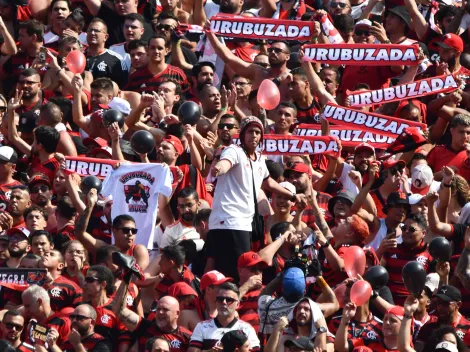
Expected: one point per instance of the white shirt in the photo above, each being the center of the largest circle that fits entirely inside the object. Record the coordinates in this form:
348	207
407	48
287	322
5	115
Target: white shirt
208	333
346	180
177	232
381	234
120	49
233	206
135	189
211	9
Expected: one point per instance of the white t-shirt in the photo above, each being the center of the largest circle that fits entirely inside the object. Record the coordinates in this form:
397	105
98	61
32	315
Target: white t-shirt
211	9
135	189
381	234
346	180
120	49
233	205
177	232
208	333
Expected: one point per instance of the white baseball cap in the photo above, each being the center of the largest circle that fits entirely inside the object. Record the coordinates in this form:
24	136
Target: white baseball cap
415	198
289	186
448	346
121	105
421	179
365	23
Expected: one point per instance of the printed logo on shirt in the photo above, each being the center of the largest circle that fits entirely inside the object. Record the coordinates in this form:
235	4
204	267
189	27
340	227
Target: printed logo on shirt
422	260
55	292
105	319
137	194
175	344
461	334
102	66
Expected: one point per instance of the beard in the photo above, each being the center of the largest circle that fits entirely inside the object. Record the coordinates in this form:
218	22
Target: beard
81	329
228	8
17	253
41	201
188	217
452	62
206	83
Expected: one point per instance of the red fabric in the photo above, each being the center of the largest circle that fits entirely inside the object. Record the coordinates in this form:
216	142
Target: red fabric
200	184
442	155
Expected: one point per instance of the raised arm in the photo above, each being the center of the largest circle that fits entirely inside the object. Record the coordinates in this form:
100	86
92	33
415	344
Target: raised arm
199	15
440	228
196	159
93	6
88	241
77	109
419	22
316	83
13	134
268	8
125	315
9	45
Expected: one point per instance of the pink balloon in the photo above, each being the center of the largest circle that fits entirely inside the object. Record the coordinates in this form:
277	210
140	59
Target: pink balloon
360	292
340	293
76	61
268	95
354	261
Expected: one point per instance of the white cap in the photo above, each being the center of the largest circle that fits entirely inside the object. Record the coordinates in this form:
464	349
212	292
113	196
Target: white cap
432	281
421	179
448	346
415	198
363	23
289	186
121	105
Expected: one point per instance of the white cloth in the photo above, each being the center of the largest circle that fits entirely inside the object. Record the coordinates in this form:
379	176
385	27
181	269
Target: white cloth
346	180
233	205
120	49
177	232
135	189
381	234
211	9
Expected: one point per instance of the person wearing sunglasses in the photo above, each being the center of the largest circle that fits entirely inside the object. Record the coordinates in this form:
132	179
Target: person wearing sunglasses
362	32
83	335
3	106
63	292
209	333
412	247
243	88
339	7
123	230
11	327
40	189
98	292
8	160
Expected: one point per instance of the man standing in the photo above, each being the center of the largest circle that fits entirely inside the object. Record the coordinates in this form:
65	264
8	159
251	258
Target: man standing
19	201
83	336
240	172
202	74
208	333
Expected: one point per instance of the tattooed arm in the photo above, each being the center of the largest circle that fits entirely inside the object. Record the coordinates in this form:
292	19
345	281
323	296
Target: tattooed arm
126	316
90	243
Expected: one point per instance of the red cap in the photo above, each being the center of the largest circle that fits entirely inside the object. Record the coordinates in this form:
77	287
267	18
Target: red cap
389	163
302	168
451	41
250	259
97	142
213	278
94	151
181	289
397	311
365	146
175	142
362	349
39	178
23	230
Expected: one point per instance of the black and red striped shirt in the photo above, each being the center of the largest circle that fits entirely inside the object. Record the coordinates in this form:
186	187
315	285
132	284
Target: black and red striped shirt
248	309
461	326
5	191
25	347
48	168
143	80
64	293
108	326
178	339
186	276
92	343
371	329
396	259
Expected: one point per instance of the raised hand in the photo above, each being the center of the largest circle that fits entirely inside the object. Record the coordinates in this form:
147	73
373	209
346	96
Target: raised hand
16	101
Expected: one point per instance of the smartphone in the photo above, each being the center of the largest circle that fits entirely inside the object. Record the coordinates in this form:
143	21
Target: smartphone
391	235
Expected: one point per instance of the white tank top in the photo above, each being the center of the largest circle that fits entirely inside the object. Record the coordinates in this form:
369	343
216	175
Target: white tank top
381	233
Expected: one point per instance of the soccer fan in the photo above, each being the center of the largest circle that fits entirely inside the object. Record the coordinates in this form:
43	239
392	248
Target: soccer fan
12	326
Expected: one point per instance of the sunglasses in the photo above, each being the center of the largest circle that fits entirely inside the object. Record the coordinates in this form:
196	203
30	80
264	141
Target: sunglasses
3	108
164	27
228	125
222	299
410	229
395	170
43	189
262	64
359	32
78	317
276	50
132	230
91	279
338	4
11	326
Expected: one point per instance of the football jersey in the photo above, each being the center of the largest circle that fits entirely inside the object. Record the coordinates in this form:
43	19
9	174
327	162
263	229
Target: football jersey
135	189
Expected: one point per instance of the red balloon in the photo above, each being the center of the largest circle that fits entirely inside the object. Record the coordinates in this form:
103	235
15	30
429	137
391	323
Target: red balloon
268	95
340	293
360	292
76	61
354	261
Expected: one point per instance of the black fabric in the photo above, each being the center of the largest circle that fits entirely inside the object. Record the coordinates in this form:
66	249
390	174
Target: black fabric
257	225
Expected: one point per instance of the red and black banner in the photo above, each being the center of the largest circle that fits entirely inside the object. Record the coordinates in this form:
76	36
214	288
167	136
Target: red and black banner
348	137
274	144
362	54
21	279
428	86
261	28
367	121
90	166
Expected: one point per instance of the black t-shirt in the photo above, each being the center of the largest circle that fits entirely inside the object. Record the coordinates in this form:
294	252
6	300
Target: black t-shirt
189	56
108	64
115	24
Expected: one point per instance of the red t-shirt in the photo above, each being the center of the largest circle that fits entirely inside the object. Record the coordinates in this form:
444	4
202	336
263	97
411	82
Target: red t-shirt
442	155
64	293
376	77
143	80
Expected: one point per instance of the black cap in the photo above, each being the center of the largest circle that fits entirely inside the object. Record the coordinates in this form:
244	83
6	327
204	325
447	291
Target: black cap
233	339
344	194
301	342
397	198
402	12
449	293
4	237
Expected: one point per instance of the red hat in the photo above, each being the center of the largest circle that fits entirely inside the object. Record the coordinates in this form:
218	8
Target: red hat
451	41
397	311
181	289
106	149
389	163
23	230
39	178
213	278
250	259
300	167
97	142
175	142
364	146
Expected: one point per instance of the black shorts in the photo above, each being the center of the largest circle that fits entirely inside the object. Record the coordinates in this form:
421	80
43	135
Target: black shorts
225	247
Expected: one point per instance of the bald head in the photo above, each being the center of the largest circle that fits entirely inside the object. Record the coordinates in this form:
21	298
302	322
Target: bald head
170	302
86	310
168	311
